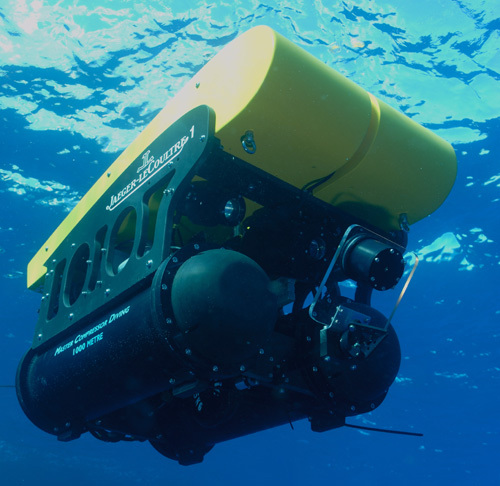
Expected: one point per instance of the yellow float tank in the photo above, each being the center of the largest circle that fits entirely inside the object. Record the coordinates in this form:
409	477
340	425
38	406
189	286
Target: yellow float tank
308	122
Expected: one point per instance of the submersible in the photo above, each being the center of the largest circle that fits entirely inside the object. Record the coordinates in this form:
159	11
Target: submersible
195	294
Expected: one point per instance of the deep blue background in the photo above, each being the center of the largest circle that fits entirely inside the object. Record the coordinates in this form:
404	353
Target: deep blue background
79	81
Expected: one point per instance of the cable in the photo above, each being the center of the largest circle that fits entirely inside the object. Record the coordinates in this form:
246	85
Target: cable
311	185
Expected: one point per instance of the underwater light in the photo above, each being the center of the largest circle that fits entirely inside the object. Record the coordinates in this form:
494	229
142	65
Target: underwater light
175	304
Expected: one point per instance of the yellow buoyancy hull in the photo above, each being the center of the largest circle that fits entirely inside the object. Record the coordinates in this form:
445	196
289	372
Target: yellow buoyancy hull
308	122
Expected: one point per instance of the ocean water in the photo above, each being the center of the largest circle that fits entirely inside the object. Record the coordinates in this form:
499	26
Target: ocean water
81	79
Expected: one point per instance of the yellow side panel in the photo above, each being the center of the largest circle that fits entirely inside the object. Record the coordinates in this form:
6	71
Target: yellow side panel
308	121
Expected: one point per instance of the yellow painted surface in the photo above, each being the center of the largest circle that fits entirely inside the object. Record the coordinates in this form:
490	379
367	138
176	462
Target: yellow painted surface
308	121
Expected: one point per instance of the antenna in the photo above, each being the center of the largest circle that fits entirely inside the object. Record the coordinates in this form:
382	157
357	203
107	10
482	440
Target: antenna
374	429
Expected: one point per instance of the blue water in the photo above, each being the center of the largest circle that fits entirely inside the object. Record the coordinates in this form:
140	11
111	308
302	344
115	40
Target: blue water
79	81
